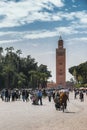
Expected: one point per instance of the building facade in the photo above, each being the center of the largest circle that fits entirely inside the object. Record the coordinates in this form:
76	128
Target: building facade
60	64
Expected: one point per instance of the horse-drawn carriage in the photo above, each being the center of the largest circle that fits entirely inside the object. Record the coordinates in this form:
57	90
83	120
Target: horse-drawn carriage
61	100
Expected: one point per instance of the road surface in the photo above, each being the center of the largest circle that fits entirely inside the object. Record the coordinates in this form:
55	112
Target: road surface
20	115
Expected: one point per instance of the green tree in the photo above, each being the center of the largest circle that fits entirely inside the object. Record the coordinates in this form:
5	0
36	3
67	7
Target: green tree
80	73
1	51
17	71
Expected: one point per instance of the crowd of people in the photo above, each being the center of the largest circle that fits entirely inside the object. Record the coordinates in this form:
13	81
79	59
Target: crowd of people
59	97
36	96
8	95
80	93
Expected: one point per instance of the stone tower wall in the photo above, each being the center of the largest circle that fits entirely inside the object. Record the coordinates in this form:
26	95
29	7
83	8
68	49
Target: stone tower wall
60	65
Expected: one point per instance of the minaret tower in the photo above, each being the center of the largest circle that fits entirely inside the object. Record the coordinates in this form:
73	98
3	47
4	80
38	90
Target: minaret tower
60	64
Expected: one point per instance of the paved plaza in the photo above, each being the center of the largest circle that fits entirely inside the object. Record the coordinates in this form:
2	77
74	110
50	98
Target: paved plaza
20	115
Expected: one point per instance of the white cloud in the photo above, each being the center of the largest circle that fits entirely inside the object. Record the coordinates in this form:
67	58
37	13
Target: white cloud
84	20
28	11
55	32
35	45
18	13
8	41
77	40
40	33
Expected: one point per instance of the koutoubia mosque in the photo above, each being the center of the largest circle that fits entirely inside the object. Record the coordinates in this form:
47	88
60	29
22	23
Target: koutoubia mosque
60	64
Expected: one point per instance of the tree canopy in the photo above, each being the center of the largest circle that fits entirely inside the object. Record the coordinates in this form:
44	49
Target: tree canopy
20	72
80	73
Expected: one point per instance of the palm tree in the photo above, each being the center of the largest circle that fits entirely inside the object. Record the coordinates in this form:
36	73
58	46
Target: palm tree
7	49
8	73
33	78
1	51
21	80
19	52
11	49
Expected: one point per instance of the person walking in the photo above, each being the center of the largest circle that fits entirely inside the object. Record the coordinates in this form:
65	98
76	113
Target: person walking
40	96
23	95
6	95
49	96
81	96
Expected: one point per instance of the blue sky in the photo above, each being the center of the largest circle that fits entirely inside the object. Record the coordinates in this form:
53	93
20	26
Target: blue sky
34	26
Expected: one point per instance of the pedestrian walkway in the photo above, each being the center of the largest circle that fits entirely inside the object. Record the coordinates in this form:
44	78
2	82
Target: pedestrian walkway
25	116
